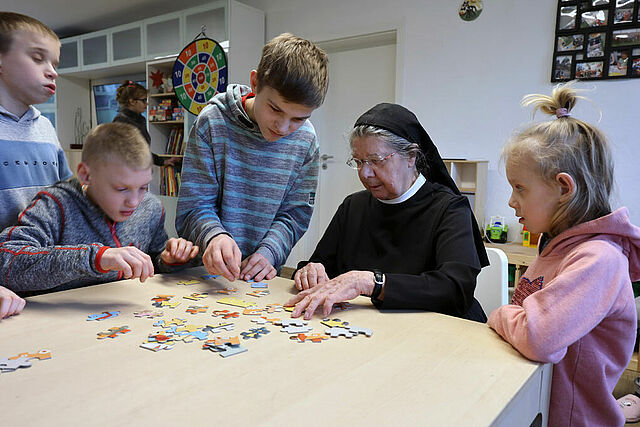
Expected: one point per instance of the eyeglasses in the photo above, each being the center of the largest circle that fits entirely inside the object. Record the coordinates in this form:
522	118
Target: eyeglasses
144	100
373	162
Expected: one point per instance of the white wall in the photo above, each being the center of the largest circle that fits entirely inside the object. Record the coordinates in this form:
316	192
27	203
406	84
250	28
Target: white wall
72	93
465	80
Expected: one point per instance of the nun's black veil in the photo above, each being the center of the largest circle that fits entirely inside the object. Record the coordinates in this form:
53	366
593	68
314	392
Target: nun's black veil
402	122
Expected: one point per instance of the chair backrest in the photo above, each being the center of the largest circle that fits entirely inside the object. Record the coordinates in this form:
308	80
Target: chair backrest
492	283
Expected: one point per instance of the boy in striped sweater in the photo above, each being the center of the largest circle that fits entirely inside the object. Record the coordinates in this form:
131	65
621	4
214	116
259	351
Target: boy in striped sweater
250	169
102	227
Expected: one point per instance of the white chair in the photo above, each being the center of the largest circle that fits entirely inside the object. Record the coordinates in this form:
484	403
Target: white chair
492	284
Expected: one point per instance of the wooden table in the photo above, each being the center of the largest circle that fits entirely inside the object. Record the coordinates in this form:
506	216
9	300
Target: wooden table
417	369
520	256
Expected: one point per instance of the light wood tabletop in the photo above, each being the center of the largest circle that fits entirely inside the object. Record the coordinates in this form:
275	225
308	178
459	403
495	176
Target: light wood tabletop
417	368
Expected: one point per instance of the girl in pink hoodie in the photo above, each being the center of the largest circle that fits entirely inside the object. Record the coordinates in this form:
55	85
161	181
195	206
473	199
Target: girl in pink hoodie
574	305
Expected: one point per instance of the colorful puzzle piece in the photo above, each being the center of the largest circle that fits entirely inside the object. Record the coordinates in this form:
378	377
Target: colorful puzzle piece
196	296
358	330
334	323
252	311
258	293
160	337
41	355
195	309
228	291
289	308
209	276
236	302
341	306
272	308
114	332
216	329
103	315
316	338
255	333
259	285
154	346
226	314
188	282
224	347
291	322
148	313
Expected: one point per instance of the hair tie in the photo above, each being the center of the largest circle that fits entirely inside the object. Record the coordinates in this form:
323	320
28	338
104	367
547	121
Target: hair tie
562	112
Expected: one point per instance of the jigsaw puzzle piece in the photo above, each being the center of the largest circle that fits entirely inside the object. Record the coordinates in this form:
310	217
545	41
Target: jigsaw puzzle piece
9	365
236	302
41	355
195	309
148	313
219	327
296	329
335	332
153	346
209	276
114	332
290	322
188	282
255	333
232	350
228	291
252	311
272	308
316	338
358	330
258	293
226	314
259	285
196	296
103	315
334	323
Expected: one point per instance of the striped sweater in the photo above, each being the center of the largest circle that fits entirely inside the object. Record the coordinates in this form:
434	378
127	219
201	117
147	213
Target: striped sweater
30	158
235	182
61	235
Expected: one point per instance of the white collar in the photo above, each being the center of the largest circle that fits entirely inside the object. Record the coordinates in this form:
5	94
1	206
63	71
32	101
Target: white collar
417	184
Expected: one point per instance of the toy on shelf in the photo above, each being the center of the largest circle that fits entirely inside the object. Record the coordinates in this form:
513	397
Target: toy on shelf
526	237
496	230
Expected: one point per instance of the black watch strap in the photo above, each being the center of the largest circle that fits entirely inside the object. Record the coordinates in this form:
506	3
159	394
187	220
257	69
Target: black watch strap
378	279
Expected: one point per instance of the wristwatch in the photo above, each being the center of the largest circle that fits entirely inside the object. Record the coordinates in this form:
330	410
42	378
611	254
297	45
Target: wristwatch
378	279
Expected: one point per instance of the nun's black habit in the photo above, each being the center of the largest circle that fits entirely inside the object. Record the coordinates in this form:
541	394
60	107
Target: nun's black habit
429	246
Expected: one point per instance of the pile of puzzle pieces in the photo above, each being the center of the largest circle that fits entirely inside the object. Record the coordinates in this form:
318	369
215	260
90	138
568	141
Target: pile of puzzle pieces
22	360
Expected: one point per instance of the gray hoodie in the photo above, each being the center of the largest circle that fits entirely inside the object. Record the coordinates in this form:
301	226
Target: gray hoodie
61	235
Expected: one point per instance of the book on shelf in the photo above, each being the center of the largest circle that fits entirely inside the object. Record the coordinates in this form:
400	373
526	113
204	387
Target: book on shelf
169	181
175	142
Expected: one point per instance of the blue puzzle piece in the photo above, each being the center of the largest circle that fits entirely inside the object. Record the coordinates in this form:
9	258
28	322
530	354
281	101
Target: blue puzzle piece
260	285
103	315
210	276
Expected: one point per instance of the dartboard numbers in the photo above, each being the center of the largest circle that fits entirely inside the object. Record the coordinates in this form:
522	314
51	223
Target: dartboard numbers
200	71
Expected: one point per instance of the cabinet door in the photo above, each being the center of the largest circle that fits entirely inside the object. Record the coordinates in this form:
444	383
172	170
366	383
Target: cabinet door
163	36
126	43
69	54
95	50
213	18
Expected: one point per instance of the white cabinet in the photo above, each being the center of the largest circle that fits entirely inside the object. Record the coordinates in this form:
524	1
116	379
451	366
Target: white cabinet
126	44
163	35
95	49
69	55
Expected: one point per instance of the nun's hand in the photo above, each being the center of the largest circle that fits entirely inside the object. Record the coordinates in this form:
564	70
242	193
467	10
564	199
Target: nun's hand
310	276
345	287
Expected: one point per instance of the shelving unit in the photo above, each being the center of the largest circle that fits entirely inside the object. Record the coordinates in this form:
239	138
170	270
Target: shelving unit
471	178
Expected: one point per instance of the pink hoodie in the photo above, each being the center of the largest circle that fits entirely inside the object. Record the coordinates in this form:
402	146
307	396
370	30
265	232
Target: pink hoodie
579	313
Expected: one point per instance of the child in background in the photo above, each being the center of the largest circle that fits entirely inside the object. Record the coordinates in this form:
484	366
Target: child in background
132	99
30	154
574	306
101	227
250	169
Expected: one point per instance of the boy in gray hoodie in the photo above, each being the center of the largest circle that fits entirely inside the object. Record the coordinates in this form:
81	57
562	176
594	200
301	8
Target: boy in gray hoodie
102	227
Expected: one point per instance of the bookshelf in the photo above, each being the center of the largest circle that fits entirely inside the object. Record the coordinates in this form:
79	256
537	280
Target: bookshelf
167	126
471	178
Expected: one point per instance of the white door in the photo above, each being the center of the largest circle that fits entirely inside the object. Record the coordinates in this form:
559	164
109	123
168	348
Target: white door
361	75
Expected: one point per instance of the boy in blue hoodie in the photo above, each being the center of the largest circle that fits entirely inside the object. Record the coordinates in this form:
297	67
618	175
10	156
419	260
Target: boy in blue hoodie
101	227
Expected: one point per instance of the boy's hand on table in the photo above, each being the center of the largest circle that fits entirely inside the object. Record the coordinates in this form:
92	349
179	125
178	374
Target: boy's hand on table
310	275
223	256
178	251
257	267
130	260
10	303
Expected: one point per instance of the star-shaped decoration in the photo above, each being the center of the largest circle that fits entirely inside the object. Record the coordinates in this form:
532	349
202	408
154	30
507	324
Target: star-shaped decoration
156	76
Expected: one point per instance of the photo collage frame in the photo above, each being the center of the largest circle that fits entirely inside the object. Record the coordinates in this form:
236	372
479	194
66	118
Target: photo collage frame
596	39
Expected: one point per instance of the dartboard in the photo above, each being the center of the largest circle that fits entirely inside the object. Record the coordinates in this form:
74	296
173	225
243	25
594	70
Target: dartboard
199	73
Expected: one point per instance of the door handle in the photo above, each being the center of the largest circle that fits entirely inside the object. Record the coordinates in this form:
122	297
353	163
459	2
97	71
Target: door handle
325	157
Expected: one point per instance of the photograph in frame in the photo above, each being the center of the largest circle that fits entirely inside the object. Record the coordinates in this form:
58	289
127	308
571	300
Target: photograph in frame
596	45
568	18
594	18
623	15
618	63
635	67
573	42
589	70
625	37
562	67
600	2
